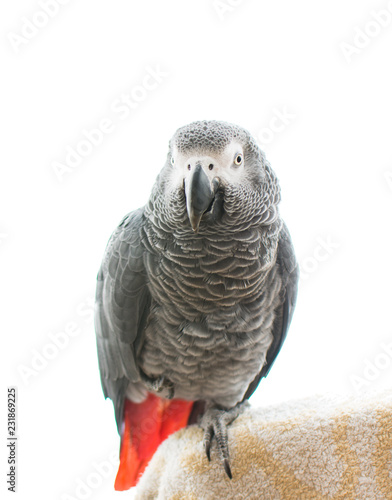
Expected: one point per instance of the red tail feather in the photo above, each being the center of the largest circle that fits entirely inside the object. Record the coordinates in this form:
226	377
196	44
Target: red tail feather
146	425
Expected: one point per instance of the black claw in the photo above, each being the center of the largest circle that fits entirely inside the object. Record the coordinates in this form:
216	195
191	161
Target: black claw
208	451
226	466
207	442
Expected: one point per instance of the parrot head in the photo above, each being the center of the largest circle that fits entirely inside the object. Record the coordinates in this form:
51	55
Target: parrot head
218	167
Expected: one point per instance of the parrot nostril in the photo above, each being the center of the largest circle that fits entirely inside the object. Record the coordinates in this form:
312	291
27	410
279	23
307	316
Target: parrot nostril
189	167
210	166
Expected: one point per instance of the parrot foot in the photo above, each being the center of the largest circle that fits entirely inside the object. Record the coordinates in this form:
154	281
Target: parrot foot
215	422
159	384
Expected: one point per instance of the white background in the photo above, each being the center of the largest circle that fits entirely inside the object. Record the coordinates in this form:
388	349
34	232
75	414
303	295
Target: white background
332	154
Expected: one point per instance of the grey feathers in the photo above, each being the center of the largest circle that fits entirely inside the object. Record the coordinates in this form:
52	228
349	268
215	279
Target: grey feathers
206	136
121	307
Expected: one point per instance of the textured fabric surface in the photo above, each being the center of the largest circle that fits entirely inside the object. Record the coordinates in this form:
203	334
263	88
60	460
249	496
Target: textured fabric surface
316	448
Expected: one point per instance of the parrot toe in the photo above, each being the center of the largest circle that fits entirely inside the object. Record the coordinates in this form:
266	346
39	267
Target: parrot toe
226	466
215	422
159	384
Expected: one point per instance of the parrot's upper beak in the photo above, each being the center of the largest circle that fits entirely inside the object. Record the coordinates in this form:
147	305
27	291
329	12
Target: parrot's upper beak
199	193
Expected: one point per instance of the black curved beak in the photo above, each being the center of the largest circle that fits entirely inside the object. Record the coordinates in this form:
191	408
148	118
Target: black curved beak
199	193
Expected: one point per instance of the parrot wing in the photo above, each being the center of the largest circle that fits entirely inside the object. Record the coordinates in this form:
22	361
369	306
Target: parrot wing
290	275
121	307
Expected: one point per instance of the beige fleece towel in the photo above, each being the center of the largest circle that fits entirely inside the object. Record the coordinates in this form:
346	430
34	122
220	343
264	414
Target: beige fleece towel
317	448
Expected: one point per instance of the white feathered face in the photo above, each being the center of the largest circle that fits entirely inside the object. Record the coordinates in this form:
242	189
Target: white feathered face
202	173
226	166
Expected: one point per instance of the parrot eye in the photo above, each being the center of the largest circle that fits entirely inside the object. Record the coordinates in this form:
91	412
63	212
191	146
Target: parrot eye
172	160
238	160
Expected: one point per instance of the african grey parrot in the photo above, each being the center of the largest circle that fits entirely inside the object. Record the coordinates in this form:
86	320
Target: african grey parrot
195	294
